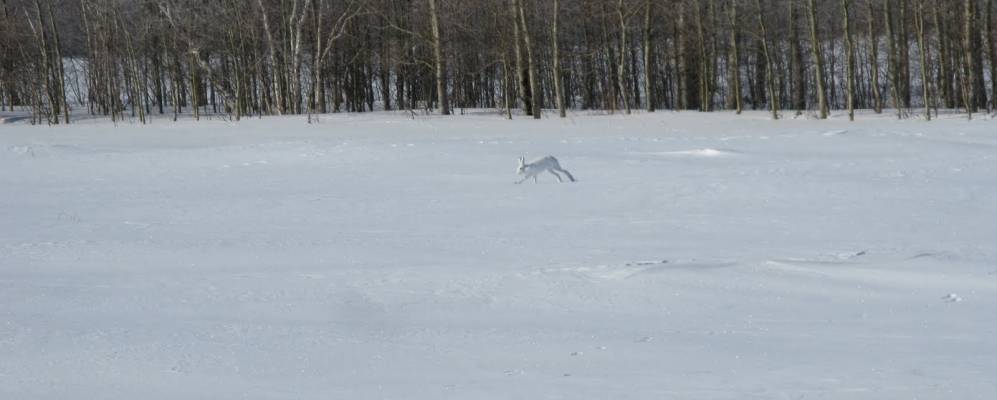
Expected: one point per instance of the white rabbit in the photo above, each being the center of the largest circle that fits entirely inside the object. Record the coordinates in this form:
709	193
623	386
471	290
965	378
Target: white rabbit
534	168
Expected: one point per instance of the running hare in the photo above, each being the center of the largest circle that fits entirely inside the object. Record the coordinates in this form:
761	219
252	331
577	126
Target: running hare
534	168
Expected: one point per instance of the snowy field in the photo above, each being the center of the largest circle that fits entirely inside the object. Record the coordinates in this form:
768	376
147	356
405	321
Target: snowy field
377	256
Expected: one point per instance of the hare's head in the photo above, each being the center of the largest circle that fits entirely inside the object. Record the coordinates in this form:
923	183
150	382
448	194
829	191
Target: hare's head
521	169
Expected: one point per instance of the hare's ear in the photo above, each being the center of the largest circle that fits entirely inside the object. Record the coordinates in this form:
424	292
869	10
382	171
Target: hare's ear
522	160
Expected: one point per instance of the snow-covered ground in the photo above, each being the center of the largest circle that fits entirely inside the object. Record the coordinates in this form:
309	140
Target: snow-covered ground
376	256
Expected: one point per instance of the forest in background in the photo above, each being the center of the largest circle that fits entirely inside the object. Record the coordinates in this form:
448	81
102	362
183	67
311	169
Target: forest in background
136	58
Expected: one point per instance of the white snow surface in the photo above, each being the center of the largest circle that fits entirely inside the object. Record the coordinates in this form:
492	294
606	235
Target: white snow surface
380	256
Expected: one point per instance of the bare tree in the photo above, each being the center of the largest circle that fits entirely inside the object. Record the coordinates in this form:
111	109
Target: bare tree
922	47
967	49
877	98
438	63
773	96
735	66
989	47
796	60
623	15
850	61
558	91
818	60
648	68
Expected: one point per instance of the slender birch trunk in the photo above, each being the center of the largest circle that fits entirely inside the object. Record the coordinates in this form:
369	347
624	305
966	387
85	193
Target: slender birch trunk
530	65
891	59
988	43
622	66
441	86
521	72
558	90
735	66
59	66
769	65
681	61
967	48
850	59
704	97
922	47
818	60
877	98
797	72
272	46
648	72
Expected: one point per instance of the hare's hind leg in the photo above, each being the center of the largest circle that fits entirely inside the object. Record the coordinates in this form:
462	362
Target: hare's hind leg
559	180
564	171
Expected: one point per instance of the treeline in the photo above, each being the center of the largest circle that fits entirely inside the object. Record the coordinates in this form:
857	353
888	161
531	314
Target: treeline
134	58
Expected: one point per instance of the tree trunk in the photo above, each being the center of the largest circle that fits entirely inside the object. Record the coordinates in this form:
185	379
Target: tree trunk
891	59
530	65
773	96
271	45
313	104
988	44
818	60
796	61
943	54
735	66
877	98
681	59
59	67
41	35
441	86
922	48
648	70
622	66
294	72
850	59
904	56
558	90
967	48
521	79
704	100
